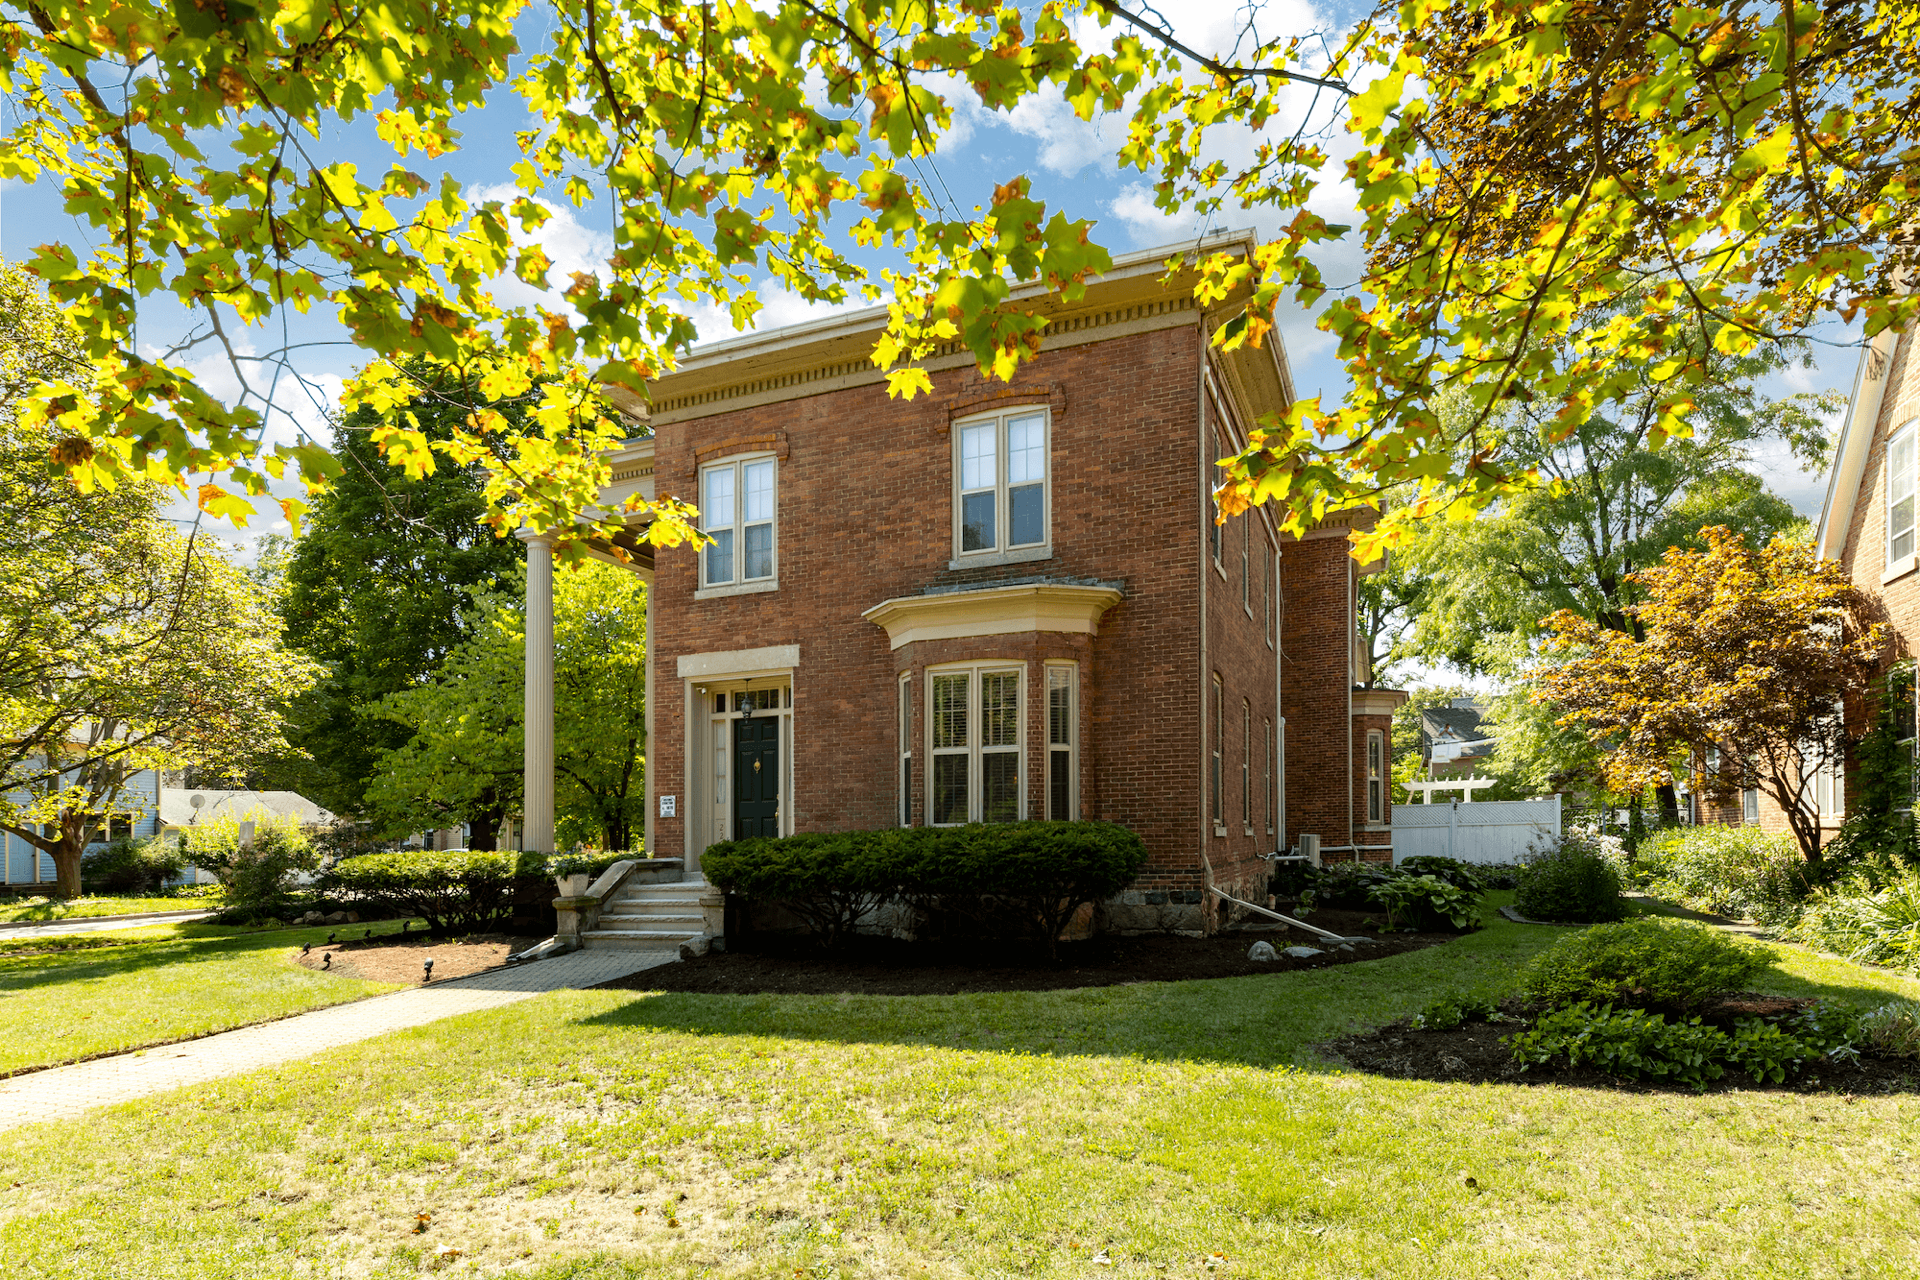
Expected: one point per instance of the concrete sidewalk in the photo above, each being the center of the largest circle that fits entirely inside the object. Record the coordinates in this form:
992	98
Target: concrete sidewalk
100	924
61	1093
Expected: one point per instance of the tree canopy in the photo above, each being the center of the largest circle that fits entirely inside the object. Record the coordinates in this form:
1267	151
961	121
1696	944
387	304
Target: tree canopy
461	759
378	591
1746	166
1745	665
124	644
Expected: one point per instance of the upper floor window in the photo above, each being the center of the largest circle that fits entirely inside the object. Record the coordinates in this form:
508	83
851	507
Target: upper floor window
1376	777
1900	495
738	511
1000	495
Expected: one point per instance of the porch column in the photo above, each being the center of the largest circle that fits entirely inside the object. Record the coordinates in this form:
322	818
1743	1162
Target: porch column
537	824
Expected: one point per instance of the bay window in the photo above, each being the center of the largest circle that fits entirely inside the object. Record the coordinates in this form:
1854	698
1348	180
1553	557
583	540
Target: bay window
974	729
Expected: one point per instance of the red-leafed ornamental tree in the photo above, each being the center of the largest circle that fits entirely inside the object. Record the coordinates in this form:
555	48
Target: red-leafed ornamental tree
1747	661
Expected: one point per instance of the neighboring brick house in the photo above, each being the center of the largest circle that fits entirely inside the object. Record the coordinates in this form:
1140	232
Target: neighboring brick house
1867	523
1004	600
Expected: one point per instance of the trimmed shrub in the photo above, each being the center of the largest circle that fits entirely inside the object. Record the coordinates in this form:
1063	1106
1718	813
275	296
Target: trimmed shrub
581	862
1569	881
454	891
132	866
1427	904
1742	872
1346	886
1644	963
1021	877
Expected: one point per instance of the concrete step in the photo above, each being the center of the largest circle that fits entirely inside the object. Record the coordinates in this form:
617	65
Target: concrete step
636	939
636	895
635	920
649	907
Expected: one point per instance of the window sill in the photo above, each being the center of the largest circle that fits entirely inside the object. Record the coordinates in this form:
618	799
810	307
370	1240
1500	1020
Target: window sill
979	559
1220	830
1900	569
1247	831
1220	569
737	589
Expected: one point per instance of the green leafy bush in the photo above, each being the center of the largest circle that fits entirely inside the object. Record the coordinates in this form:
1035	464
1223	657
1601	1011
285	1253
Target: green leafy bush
1732	871
1345	886
132	866
258	876
1426	903
1451	1011
1569	881
454	891
1648	962
1893	1029
1461	875
584	862
1872	915
1640	1045
1027	876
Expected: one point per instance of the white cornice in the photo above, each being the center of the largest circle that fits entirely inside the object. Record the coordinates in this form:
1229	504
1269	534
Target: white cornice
1377	702
994	611
1856	440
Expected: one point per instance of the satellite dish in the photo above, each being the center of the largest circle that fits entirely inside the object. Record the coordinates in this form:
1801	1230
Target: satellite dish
196	799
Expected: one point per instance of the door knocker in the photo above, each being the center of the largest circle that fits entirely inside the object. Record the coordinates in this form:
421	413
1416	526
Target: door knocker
756	766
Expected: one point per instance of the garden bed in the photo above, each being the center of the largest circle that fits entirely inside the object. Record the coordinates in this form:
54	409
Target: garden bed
886	966
1477	1053
402	958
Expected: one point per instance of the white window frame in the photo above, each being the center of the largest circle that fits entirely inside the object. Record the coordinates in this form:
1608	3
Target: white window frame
1905	438
1267	578
1750	805
974	751
1064	676
1246	765
906	749
1219	710
1002	552
1267	737
1376	776
1215	532
738	583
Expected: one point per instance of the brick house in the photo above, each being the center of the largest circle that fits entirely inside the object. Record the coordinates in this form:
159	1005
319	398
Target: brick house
1867	523
1001	601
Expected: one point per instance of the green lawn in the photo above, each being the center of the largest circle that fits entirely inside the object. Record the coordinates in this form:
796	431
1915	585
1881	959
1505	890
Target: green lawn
55	1008
48	910
1178	1130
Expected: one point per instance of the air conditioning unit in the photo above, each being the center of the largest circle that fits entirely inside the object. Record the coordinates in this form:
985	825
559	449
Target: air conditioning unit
1310	849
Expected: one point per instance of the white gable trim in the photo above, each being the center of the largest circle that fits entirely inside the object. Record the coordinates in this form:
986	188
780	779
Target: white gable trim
1855	442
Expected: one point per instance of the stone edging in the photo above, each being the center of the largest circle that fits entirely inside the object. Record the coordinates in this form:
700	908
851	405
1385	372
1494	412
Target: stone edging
138	915
1517	918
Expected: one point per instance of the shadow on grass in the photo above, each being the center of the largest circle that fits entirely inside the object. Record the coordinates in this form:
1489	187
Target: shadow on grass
25	972
1266	1020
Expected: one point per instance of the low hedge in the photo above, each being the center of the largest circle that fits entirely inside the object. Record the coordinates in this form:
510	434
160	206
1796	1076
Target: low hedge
453	890
1027	877
1570	882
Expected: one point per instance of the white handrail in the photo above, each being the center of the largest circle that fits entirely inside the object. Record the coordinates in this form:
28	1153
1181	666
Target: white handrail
1301	924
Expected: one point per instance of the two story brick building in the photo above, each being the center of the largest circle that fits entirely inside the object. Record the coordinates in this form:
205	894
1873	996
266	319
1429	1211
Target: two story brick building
1001	600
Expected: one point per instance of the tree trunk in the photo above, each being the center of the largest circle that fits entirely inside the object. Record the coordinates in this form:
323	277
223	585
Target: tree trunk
483	831
66	868
1669	804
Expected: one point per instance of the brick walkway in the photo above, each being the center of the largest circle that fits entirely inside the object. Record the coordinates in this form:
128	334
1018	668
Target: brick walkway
64	1092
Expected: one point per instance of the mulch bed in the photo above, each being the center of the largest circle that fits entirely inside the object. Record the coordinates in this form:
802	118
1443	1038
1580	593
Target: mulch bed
398	958
1476	1053
886	966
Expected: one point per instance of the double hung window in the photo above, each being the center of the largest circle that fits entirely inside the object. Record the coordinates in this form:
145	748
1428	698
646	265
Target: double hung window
1376	777
1267	735
1062	724
1219	710
1000	500
974	729
1246	765
739	512
906	751
1901	458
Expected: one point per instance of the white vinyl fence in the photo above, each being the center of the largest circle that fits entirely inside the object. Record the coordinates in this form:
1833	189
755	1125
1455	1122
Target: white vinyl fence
1481	831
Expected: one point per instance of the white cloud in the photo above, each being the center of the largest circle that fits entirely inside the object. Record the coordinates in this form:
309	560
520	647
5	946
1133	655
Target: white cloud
779	307
570	244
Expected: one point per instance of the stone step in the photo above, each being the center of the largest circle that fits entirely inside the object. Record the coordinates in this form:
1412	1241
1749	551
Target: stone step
635	939
644	895
635	920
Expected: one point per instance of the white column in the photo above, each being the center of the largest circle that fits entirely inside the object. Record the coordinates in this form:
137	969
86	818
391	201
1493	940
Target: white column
537	821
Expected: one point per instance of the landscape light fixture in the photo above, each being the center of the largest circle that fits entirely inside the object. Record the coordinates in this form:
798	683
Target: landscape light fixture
326	960
429	977
305	947
330	937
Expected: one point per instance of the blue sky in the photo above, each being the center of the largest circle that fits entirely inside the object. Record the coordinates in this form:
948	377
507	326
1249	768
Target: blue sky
1069	163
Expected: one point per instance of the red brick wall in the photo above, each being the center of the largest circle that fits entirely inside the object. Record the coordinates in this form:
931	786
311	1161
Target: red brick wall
866	515
1317	661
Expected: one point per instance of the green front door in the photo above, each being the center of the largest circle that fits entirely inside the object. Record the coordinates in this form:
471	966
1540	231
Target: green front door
756	770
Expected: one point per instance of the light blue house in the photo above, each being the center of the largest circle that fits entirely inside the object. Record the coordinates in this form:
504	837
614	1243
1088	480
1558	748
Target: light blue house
26	865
